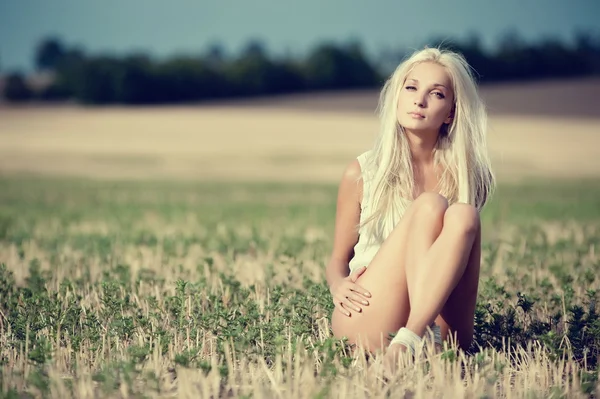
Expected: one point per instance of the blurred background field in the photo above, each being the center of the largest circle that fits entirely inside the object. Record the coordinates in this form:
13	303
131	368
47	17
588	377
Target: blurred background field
168	183
298	138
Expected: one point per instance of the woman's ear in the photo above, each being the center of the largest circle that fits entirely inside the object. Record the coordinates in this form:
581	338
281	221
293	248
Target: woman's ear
450	117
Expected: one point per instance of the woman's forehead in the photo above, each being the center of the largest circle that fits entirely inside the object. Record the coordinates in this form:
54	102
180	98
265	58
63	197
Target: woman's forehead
430	73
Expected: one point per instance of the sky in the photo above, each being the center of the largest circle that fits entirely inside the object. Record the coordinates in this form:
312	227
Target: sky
166	28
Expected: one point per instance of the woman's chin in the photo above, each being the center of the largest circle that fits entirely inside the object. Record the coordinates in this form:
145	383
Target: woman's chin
414	124
419	129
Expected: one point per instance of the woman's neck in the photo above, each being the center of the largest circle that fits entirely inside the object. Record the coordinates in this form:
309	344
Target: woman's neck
421	148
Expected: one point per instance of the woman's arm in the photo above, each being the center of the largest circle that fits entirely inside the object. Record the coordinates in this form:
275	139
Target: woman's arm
347	217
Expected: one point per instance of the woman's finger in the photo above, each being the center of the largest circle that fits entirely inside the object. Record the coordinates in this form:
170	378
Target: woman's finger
339	302
360	290
349	304
346	303
340	307
358	299
357	274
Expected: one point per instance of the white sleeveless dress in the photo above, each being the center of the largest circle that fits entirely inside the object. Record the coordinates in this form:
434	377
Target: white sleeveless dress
365	249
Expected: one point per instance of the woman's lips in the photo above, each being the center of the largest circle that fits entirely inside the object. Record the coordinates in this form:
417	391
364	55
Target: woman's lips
416	115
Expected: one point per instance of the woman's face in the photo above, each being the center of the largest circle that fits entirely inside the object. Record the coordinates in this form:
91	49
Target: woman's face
426	99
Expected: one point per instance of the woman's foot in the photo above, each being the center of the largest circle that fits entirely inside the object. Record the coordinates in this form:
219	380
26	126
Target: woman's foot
407	343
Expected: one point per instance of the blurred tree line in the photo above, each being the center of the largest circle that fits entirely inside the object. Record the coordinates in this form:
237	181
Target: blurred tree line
138	79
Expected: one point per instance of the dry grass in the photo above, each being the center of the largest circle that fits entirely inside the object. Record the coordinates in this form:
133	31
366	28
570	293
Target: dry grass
207	291
108	365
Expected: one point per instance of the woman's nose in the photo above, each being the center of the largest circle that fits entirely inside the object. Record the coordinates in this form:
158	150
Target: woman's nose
419	100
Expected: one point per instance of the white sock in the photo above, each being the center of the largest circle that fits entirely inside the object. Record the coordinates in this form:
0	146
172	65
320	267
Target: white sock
412	341
407	338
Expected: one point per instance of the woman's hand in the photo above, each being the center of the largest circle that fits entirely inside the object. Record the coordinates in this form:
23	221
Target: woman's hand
347	295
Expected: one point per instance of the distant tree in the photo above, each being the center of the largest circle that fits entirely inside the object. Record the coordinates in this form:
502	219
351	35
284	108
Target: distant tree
253	73
554	59
188	79
69	75
514	59
331	67
254	49
285	77
16	88
49	54
135	80
215	55
94	80
53	92
587	52
249	74
389	59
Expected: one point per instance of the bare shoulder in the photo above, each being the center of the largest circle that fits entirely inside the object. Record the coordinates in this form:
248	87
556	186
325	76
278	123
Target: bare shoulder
353	171
351	184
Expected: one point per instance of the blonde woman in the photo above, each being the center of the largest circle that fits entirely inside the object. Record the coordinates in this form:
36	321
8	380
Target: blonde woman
406	253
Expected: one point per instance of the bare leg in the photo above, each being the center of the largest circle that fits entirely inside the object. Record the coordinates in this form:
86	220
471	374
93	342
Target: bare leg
425	227
438	273
445	277
457	315
442	278
385	278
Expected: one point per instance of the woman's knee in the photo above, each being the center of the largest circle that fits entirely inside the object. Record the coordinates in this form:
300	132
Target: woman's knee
431	205
463	217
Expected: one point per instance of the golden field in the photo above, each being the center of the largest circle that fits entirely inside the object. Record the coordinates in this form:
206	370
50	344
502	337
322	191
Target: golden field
543	130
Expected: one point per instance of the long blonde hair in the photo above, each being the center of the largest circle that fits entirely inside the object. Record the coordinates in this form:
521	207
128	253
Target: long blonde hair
461	149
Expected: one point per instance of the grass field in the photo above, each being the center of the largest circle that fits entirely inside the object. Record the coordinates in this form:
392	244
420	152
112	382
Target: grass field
161	289
126	271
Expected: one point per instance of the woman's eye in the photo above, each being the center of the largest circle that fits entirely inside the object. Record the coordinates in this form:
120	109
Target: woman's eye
411	88
439	95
